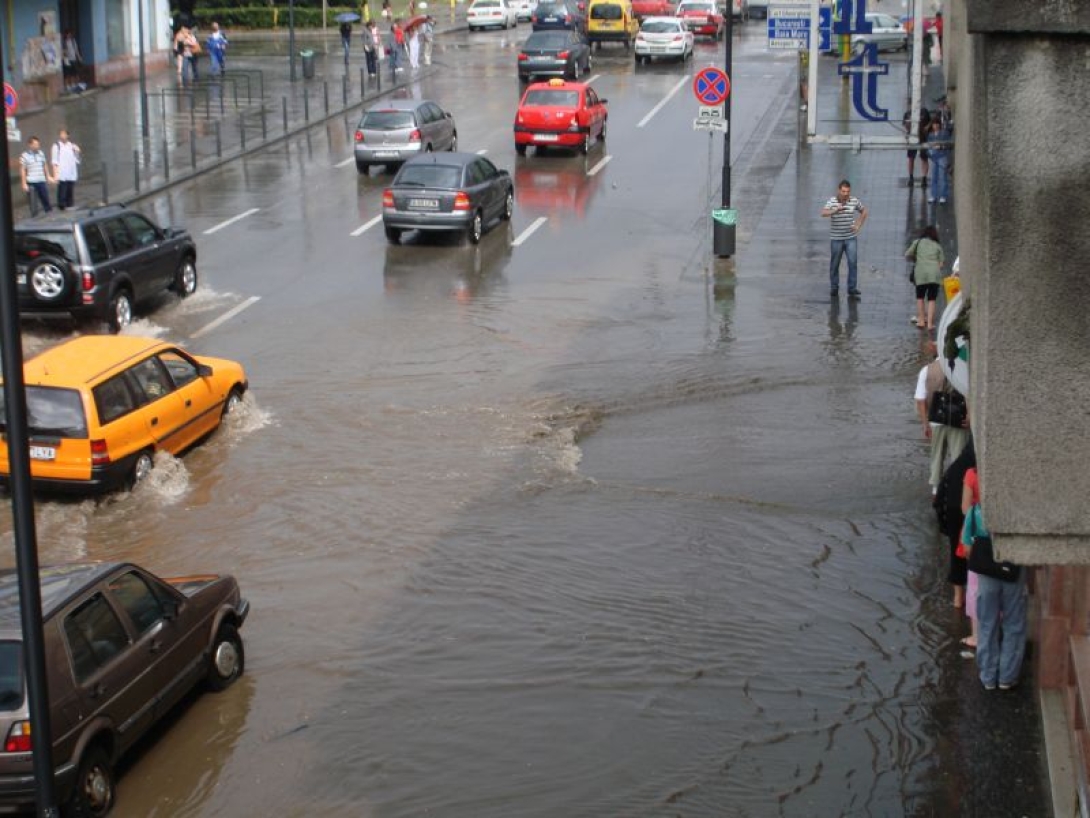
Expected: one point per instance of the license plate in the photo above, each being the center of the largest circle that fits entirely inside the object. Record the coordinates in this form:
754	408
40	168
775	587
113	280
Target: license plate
541	58
657	49
43	453
424	204
546	137
385	154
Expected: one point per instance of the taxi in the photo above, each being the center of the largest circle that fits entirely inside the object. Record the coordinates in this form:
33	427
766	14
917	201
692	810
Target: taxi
561	114
100	406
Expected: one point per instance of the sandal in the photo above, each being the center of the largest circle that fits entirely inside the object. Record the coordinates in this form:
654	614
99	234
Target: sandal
967	643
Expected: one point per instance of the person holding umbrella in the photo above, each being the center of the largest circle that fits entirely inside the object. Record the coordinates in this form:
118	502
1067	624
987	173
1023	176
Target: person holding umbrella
346	19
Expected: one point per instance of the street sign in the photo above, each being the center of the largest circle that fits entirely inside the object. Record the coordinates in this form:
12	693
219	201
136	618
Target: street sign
789	27
711	86
11	100
702	123
710	112
14	134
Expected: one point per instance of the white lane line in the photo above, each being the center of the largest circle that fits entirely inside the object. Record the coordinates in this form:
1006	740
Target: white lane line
231	221
529	231
601	164
592	79
346	162
665	99
366	225
227	316
482	151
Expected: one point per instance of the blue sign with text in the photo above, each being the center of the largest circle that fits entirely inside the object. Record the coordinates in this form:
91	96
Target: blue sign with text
864	67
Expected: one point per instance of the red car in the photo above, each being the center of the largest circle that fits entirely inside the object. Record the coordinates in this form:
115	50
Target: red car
702	17
559	113
652	8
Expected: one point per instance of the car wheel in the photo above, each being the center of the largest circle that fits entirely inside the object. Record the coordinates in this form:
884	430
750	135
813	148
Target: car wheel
602	135
508	205
234	400
48	279
585	147
476	228
454	141
93	795
393	235
228	658
185	280
363	167
520	150
575	69
140	469
120	313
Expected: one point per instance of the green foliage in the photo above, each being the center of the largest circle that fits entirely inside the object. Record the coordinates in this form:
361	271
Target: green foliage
308	14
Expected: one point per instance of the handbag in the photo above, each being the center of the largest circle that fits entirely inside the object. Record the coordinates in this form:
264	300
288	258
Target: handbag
982	561
947	408
910	254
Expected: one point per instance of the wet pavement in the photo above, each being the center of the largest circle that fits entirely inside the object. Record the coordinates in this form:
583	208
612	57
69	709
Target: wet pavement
649	537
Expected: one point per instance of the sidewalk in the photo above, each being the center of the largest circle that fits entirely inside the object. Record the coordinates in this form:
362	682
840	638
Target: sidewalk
195	127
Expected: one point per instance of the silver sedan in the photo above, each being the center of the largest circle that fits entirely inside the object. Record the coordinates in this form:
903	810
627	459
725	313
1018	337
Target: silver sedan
399	129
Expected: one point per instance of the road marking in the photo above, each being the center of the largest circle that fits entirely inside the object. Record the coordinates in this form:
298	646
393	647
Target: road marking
529	231
482	151
665	99
592	79
227	316
601	164
366	225
346	162
231	221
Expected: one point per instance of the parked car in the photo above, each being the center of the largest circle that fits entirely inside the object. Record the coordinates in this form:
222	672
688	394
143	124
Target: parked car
398	129
100	263
100	406
559	14
561	114
887	32
611	21
665	37
524	9
490	13
702	18
122	647
445	192
554	52
652	8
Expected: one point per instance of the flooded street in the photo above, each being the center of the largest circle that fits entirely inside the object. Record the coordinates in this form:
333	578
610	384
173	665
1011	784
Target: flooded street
567	527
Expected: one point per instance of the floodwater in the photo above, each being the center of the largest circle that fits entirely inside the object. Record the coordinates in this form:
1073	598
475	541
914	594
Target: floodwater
528	537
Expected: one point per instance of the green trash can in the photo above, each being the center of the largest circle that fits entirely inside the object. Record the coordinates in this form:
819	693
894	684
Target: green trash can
307	56
724	224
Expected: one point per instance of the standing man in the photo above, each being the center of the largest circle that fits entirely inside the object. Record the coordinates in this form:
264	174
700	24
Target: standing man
66	158
217	50
34	174
940	161
847	216
427	34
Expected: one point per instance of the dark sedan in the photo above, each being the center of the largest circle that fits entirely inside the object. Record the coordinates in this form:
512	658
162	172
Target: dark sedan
452	191
558	14
557	53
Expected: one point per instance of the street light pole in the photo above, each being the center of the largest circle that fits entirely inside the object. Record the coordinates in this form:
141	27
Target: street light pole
727	59
22	510
144	126
291	39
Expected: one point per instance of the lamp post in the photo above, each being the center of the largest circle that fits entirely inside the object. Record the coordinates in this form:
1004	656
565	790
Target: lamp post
291	39
144	127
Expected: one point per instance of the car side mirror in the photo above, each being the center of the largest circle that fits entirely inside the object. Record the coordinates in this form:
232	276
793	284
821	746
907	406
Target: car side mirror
603	100
204	370
170	610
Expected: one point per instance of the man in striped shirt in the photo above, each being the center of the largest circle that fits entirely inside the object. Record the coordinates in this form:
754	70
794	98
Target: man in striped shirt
847	215
34	173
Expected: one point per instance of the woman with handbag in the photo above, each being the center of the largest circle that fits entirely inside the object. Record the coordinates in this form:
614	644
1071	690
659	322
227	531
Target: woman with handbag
1000	604
927	258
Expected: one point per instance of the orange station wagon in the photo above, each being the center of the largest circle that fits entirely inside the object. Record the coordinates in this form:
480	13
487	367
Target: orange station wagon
100	406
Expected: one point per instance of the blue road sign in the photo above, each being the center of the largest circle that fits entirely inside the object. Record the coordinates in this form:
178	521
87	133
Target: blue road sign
711	86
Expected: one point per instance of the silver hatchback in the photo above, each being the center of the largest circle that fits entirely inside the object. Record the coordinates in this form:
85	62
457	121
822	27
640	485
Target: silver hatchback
400	129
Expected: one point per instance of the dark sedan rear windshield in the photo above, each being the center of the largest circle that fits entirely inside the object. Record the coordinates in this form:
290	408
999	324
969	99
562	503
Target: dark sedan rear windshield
11	675
51	411
388	120
440	176
29	246
551	10
547	41
549	96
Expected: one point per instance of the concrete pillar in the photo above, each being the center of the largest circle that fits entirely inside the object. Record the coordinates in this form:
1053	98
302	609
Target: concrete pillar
1023	196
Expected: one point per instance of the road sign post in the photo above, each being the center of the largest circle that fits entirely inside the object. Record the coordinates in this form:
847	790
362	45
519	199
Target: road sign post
711	87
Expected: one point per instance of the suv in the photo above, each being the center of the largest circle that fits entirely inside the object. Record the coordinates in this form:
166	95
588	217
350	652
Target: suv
99	263
122	647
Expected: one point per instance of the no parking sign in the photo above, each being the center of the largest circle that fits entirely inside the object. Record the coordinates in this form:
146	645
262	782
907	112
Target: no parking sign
11	100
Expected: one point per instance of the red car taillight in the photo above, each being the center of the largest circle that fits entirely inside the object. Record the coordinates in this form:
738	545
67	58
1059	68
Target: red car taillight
388	198
563	55
18	740
573	125
100	455
677	38
415	135
523	58
461	201
87	281
359	136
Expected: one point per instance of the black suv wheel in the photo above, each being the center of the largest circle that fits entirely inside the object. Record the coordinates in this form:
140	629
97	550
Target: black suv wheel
48	279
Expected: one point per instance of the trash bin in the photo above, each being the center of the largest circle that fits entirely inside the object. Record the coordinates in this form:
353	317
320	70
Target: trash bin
724	223
307	55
